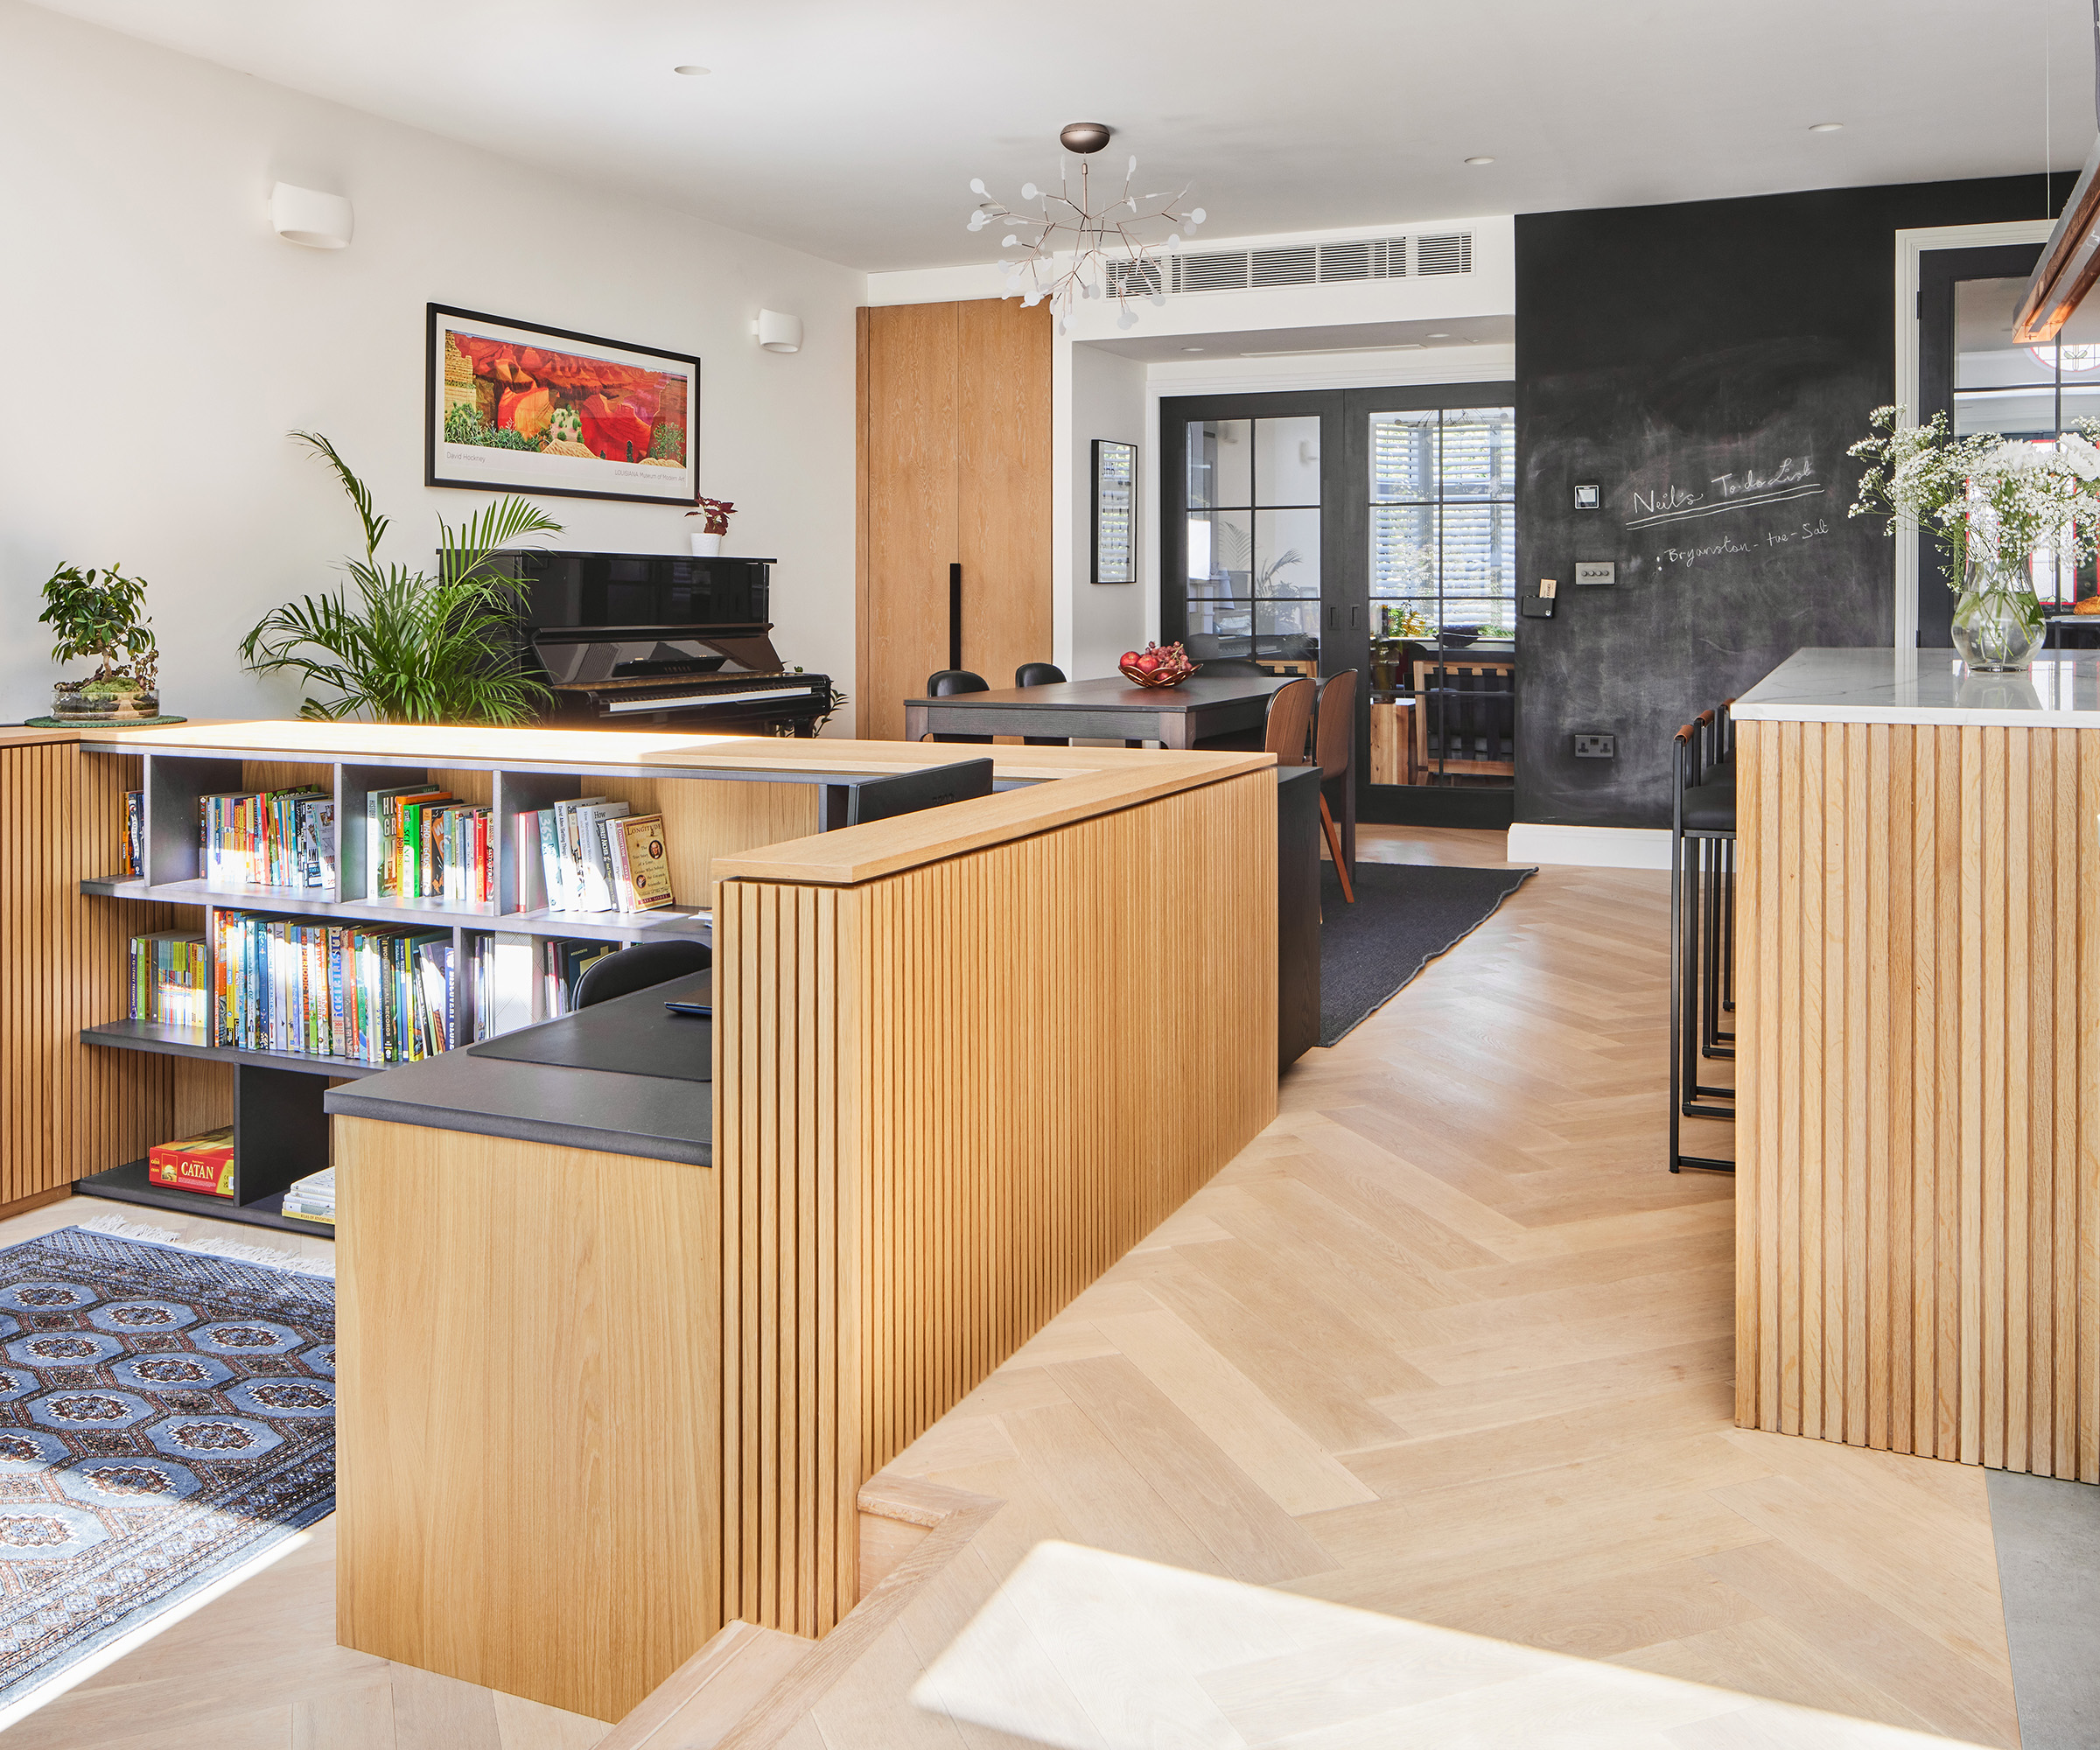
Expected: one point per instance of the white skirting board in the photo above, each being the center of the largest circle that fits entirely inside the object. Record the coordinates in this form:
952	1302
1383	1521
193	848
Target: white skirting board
1597	847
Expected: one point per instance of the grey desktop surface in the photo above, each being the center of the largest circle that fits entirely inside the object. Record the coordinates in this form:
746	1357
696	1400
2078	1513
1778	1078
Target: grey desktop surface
659	1116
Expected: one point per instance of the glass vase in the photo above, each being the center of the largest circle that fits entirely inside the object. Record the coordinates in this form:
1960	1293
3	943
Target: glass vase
1997	624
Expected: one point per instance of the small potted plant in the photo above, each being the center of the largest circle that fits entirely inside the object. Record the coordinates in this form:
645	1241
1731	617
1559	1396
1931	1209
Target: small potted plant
102	614
714	513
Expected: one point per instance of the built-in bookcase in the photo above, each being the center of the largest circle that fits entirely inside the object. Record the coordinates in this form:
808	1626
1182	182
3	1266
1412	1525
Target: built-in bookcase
280	1132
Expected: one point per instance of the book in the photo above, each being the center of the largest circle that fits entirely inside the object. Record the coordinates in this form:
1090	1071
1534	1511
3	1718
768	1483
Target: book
641	872
594	854
171	973
563	964
379	823
312	1199
569	852
132	853
202	1163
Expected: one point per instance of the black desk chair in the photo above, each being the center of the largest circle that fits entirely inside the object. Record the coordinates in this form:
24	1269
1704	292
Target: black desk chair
1041	675
639	966
945	685
1702	924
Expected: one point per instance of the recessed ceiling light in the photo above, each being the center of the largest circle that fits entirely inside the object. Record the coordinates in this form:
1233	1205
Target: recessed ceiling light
1825	127
1479	161
1440	336
1191	349
692	72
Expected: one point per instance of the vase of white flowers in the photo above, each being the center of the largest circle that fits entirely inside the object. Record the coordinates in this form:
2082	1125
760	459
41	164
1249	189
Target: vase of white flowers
1996	507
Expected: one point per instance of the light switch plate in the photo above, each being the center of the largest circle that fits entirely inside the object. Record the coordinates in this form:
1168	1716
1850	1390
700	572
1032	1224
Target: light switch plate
1548	588
1589	572
1588	497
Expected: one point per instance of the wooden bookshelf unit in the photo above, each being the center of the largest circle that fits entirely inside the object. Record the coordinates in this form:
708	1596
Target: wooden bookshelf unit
273	1098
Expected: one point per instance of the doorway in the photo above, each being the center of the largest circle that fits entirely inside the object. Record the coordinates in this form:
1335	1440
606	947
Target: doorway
1372	529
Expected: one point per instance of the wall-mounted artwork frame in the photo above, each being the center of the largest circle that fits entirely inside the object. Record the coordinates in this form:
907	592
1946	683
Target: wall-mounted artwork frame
1114	512
515	406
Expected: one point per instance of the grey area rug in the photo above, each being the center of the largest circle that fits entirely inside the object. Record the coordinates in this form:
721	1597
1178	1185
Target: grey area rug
166	1417
1405	915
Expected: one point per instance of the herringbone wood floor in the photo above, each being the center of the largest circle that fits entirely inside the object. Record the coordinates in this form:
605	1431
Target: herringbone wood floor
1446	1343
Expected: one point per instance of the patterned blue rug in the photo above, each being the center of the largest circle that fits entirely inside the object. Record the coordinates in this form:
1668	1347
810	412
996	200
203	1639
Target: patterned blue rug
166	1417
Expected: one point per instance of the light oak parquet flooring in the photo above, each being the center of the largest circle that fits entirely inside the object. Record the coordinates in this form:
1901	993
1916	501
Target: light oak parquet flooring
1446	1343
1449	1344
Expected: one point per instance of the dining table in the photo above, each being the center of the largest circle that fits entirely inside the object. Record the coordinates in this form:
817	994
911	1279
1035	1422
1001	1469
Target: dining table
1196	710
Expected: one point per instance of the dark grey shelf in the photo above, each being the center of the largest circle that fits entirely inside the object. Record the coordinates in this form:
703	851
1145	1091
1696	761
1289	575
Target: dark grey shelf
129	1184
181	1042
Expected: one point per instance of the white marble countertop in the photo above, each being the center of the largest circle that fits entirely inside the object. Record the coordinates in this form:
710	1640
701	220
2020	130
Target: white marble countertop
2061	691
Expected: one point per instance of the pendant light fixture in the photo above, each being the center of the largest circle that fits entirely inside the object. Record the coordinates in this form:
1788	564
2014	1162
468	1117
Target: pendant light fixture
1064	249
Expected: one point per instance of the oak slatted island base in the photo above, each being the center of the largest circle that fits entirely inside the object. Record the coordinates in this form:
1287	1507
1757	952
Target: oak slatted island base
1918	986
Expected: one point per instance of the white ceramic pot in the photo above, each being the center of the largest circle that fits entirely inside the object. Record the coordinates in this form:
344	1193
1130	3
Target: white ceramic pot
707	546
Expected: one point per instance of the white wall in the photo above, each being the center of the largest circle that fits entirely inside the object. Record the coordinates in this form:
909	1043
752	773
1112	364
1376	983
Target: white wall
163	341
1106	400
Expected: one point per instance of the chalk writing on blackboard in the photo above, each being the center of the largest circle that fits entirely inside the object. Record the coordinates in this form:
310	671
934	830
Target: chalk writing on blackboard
1794	477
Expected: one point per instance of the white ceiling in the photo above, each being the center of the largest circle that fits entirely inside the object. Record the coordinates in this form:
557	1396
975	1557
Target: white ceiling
852	131
1352	337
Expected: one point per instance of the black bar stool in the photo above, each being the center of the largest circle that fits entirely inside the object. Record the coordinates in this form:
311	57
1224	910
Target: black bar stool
1701	925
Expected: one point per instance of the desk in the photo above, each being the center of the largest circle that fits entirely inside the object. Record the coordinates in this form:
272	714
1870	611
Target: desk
1918	1112
1109	711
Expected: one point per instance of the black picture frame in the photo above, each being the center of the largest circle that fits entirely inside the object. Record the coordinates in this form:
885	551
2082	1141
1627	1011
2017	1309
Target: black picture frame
541	475
1114	512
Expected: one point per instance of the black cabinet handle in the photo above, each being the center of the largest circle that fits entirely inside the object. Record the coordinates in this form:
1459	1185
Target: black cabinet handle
954	616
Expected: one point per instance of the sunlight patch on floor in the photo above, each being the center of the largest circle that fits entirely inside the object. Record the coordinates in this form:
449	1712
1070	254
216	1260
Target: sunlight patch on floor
1084	1649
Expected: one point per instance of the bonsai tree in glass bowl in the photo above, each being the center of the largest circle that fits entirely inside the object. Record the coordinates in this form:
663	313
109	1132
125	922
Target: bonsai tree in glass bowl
102	614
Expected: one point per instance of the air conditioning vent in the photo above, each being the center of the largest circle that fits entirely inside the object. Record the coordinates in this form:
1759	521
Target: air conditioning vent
1135	279
1285	267
1223	272
1302	265
1449	252
1364	260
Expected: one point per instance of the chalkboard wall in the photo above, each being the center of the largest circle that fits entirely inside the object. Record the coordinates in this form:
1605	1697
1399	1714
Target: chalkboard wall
1706	365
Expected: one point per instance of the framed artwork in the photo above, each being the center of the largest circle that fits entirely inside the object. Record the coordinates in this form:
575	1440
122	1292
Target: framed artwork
511	406
1114	512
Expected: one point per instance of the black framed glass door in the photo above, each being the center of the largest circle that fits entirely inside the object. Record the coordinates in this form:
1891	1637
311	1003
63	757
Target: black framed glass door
1372	529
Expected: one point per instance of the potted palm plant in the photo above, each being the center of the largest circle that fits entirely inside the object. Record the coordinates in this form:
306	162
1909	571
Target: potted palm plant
402	645
102	614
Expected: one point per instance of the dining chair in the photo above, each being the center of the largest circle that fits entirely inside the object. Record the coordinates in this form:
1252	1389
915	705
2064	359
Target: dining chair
1041	675
1334	753
1290	722
945	684
638	967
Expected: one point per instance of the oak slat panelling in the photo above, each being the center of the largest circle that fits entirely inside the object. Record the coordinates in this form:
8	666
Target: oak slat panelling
1918	987
959	1094
67	1110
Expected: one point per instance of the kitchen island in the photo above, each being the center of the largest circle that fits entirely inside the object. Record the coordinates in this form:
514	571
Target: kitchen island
1918	977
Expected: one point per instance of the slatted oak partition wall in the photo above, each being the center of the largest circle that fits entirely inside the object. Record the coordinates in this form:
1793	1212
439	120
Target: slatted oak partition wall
67	1110
1918	980
956	1094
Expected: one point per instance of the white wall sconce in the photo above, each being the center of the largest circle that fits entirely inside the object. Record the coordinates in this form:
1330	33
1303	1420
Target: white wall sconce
307	216
778	332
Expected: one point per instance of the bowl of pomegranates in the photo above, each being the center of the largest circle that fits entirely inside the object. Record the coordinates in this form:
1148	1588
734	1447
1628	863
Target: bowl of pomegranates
1158	665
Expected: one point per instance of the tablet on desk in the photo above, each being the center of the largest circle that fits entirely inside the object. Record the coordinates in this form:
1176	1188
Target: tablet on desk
705	1011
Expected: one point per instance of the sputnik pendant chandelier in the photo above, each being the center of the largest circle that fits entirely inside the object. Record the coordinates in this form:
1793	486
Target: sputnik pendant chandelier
1064	250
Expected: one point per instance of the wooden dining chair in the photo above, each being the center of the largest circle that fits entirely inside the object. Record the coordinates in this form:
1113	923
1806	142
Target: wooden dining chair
1334	753
1290	722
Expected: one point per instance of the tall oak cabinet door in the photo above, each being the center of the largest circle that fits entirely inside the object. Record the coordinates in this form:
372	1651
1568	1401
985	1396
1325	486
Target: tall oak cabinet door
954	451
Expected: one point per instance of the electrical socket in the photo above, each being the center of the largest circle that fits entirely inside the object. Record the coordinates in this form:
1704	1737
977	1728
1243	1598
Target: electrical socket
1596	747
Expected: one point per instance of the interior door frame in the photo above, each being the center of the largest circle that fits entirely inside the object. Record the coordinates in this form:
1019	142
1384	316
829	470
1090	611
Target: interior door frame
1939	271
1345	533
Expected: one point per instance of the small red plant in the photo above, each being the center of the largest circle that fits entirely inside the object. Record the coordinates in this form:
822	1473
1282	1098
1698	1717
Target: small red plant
717	511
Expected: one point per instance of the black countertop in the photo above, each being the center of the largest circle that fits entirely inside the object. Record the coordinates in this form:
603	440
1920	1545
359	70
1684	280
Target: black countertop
660	1116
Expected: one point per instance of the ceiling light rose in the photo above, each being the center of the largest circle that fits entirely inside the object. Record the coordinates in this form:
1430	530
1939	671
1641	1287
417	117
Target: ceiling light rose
1105	254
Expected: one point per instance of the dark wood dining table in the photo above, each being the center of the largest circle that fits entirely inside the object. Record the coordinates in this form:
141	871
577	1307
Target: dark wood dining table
1107	710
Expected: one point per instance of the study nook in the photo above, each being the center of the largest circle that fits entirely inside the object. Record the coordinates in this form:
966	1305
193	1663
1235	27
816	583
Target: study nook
883	898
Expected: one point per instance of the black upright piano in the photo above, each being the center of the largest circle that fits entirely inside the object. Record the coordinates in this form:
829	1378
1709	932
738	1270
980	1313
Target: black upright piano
650	640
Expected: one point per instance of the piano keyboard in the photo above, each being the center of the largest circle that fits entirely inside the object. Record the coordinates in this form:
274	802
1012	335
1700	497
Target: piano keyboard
673	701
